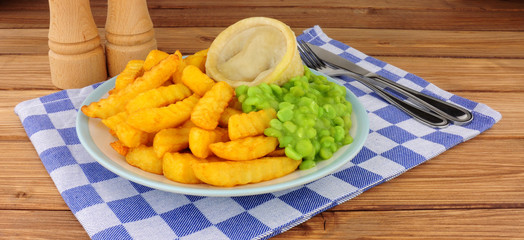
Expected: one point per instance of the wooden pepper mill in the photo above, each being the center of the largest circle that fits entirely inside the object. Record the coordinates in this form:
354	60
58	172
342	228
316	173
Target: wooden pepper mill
76	57
129	33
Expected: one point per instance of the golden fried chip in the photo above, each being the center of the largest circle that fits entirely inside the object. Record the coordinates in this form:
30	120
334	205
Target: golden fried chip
250	124
198	60
208	110
232	173
178	167
158	97
116	103
171	140
224	117
196	80
177	76
132	71
128	135
244	148
144	158
119	147
200	139
153	58
155	119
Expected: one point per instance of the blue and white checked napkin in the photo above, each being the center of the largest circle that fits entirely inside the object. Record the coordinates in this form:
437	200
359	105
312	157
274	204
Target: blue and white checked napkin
110	207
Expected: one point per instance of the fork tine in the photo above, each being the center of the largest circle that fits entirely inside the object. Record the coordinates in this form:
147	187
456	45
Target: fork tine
316	60
306	56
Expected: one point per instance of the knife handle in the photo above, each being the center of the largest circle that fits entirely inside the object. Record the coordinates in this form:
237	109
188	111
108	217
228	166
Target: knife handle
443	108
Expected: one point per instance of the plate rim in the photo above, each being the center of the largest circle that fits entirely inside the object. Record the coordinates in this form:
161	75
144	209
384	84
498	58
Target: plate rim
82	129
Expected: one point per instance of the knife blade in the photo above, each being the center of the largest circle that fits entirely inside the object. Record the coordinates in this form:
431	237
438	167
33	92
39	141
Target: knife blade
336	60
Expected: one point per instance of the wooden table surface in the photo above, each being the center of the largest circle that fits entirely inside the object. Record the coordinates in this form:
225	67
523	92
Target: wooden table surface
471	48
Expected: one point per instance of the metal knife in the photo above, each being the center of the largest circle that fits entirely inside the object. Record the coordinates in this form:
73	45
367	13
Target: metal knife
445	109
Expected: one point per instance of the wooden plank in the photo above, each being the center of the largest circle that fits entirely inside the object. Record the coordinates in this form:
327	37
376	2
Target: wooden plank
374	42
470	5
25	183
40	225
481	173
436	224
448	224
377	18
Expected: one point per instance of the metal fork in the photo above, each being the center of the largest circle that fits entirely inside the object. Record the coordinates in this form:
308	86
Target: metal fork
423	111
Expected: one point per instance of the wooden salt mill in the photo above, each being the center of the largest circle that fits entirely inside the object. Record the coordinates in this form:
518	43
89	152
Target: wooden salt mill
129	33
76	57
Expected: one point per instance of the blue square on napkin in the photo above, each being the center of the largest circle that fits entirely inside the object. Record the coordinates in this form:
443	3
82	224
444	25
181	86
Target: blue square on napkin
69	135
136	205
186	220
232	229
309	199
44	122
96	172
81	197
249	202
357	176
57	157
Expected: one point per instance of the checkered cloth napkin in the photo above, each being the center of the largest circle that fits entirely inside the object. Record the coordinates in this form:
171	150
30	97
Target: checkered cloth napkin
111	207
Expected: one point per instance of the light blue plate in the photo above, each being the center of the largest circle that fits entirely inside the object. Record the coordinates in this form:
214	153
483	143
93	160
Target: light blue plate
95	137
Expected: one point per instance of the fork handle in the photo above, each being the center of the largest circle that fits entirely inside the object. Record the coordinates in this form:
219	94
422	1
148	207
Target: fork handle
443	108
425	117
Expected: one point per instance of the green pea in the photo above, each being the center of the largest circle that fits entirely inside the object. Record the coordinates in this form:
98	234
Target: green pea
347	139
263	105
307	164
242	98
330	111
304	147
266	89
347	121
285	141
285	114
241	90
289	126
297	91
291	153
271	132
277	91
338	121
284	105
316	145
324	133
247	108
327	141
253	91
276	124
339	133
252	100
325	153
311	133
290	98
301	132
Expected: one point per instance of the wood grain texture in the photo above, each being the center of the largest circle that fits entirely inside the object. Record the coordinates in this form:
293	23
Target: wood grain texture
454	15
383	42
471	48
421	224
446	224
